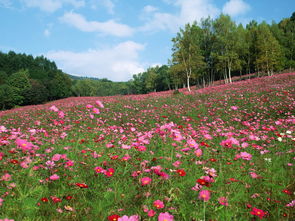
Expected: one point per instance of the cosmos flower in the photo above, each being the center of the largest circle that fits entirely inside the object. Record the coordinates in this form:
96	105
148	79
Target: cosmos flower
158	204
165	217
145	181
204	195
258	212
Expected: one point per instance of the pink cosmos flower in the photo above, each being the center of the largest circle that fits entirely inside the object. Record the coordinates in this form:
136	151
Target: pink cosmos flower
165	217
198	152
145	181
126	157
56	157
223	201
204	195
151	213
254	175
89	106
192	143
54	177
291	204
245	156
1	201
177	164
3	129
99	103
24	164
53	108
234	107
99	170
244	145
158	204
208	136
95	110
70	163
126	147
61	114
197	187
6	177
131	218
24	145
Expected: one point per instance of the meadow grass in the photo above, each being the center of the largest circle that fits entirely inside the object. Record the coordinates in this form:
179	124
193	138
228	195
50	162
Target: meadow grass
70	161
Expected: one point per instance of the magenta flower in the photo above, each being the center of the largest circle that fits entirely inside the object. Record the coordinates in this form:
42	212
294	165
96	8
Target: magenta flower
151	213
198	152
99	103
245	156
158	204
165	217
6	177
223	201
23	144
61	114
131	218
254	175
258	212
192	144
145	181
54	177
95	110
204	195
53	108
56	157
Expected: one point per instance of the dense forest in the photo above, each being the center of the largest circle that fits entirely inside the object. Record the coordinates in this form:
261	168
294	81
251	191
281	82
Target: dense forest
213	49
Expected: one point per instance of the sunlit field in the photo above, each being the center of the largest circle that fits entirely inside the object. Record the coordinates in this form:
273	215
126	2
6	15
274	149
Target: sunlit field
218	153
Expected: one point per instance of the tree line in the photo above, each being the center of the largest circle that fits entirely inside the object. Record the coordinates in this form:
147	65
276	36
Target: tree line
220	49
213	49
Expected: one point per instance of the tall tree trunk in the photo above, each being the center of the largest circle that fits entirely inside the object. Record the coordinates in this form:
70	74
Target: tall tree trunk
229	74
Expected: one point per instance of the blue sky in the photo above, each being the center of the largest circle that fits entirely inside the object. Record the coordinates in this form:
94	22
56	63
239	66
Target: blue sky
115	39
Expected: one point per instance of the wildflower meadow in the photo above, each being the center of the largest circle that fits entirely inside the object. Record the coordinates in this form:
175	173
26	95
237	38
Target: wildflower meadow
220	153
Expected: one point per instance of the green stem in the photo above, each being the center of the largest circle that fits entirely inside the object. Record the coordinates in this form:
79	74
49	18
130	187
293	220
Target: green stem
204	211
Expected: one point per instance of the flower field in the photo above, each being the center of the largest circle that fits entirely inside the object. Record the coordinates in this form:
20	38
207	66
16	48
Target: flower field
220	153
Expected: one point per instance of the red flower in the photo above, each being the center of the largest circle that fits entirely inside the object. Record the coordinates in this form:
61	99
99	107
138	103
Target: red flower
14	161
55	199
258	212
181	172
81	185
212	160
202	182
114	217
69	197
233	180
110	172
287	192
44	199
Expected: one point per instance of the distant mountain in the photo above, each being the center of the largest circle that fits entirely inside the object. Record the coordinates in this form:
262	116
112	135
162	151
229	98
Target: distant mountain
90	78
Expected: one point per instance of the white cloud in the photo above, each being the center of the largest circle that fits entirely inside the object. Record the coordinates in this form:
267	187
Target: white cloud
235	7
117	63
195	10
109	27
52	5
5	3
107	4
149	9
189	11
47	33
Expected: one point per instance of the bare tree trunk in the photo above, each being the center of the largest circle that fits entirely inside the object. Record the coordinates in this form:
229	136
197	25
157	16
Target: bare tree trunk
229	74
